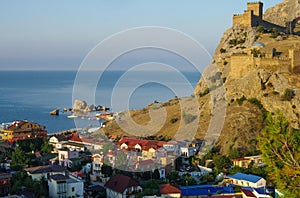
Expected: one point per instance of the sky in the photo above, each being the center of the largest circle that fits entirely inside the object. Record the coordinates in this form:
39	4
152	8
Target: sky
57	35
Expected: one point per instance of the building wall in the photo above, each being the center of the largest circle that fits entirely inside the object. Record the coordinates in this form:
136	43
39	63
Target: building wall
55	189
75	189
173	195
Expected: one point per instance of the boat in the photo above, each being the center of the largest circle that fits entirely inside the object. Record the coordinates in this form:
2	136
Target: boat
54	112
72	116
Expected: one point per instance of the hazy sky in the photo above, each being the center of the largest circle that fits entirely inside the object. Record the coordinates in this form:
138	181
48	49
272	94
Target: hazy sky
56	34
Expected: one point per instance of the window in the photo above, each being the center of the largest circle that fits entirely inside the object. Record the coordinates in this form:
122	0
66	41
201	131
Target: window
73	189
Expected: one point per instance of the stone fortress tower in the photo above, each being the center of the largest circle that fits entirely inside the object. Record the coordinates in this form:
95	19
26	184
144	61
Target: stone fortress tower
252	17
242	63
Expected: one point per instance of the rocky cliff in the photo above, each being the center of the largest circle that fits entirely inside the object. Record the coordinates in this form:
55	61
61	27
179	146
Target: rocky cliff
266	88
283	12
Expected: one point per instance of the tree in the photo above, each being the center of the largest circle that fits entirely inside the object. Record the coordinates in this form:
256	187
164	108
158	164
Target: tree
279	144
46	148
19	157
155	174
106	170
221	162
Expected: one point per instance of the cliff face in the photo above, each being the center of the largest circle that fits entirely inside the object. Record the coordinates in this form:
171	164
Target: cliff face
262	85
260	88
283	12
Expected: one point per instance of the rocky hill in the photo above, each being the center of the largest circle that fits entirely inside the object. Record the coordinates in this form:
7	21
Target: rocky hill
283	12
267	85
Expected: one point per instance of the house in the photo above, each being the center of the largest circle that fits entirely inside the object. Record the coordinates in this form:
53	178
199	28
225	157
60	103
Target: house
122	186
57	142
22	130
5	183
139	145
74	146
97	162
61	185
172	147
145	165
38	172
245	162
247	180
169	191
68	158
91	144
248	192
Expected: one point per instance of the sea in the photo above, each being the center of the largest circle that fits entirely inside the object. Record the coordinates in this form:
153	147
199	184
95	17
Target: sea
32	95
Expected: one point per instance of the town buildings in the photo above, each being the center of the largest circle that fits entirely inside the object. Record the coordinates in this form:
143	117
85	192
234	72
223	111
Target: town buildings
22	130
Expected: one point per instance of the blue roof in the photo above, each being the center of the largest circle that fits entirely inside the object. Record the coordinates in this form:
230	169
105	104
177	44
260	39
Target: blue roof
245	177
204	190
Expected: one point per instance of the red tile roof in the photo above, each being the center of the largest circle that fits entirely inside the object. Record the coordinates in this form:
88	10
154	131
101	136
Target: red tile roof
119	183
248	193
168	189
145	144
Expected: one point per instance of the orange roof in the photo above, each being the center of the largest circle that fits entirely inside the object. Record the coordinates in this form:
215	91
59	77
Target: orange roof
145	144
168	189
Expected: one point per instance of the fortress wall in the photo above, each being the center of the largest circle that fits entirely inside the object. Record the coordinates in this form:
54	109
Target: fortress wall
284	65
240	65
295	60
243	19
238	19
269	25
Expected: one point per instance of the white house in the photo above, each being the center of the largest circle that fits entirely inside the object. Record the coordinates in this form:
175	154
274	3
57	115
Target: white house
172	147
38	172
120	186
65	157
57	142
96	166
247	180
65	186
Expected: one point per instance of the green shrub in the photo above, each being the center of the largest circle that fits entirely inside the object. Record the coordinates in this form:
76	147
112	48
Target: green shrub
275	92
288	95
294	106
173	120
256	102
222	50
241	100
205	92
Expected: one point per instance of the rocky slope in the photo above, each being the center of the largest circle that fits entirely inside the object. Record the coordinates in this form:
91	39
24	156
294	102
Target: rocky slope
283	12
247	98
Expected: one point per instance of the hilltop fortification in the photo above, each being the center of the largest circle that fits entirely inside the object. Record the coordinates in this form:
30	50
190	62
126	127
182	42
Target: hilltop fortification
257	61
253	17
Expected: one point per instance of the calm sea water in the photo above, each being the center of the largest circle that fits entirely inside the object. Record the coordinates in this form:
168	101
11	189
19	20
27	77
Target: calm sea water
32	95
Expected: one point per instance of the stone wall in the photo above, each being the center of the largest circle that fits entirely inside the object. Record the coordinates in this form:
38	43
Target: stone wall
294	55
241	64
